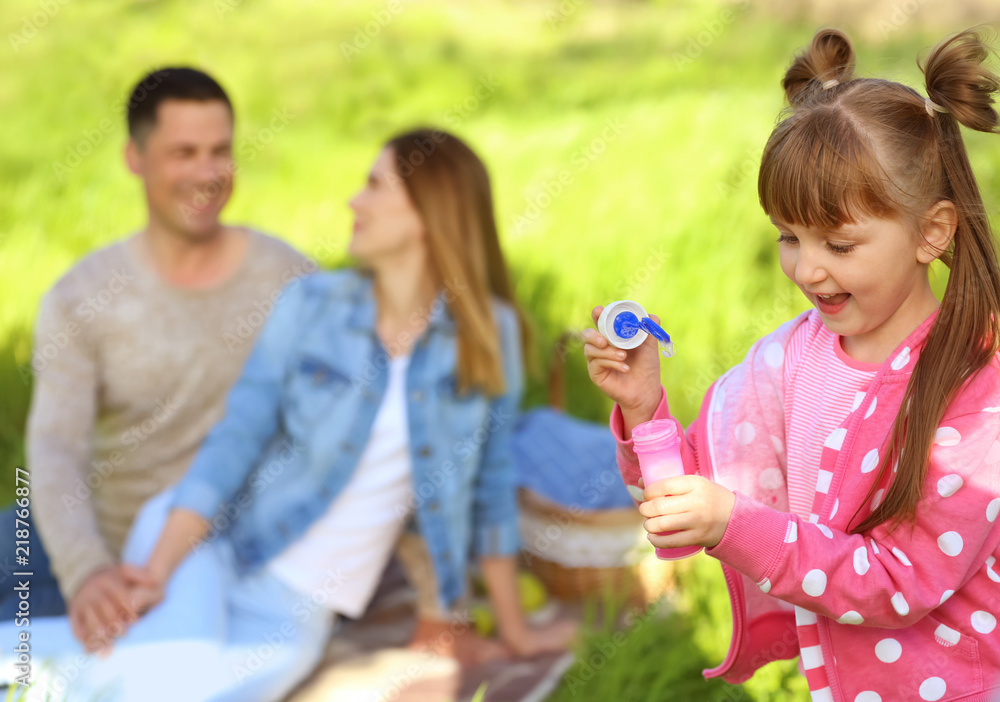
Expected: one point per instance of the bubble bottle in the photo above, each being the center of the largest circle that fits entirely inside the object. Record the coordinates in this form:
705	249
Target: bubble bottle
657	443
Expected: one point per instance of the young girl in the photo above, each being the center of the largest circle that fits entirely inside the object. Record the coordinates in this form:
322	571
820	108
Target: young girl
376	406
847	473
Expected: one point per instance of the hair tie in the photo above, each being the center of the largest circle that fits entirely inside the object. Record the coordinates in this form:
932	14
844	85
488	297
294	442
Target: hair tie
832	83
933	107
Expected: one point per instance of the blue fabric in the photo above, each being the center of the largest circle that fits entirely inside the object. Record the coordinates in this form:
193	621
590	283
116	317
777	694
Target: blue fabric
568	461
44	599
300	415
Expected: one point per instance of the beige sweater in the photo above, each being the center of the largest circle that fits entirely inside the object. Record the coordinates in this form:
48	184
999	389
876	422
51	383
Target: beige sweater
130	375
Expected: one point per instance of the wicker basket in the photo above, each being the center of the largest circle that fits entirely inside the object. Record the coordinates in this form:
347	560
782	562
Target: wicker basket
579	554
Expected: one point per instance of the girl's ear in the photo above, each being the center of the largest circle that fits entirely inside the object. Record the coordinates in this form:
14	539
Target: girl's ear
938	229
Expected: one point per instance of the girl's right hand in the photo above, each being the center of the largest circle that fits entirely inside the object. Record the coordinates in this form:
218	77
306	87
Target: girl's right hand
631	378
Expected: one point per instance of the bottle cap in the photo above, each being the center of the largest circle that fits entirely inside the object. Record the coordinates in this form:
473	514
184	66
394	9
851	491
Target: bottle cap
625	324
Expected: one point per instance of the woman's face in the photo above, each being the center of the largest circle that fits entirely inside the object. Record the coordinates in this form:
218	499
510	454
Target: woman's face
386	224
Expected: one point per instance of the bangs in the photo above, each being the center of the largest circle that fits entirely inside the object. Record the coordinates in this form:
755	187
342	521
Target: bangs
818	171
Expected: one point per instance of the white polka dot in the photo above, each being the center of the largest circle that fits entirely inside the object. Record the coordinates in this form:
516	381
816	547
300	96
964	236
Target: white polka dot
983	622
888	650
858	397
874	547
993	455
836	506
825	530
949	485
779	448
946	636
992	574
745	433
945	596
861	563
764	585
877	499
823	479
902	359
871	408
774	355
900	604
895	465
947	436
792	535
992	509
932	689
994	410
814	584
950	543
836	439
868	696
851	617
771	479
901	556
636	492
870	461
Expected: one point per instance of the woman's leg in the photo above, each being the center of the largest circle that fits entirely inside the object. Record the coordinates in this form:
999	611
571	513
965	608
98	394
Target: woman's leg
276	637
171	643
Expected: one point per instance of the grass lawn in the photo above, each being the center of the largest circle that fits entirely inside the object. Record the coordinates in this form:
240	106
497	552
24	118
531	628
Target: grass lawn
623	140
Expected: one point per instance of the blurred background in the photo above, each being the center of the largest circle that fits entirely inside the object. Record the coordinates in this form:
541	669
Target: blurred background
623	139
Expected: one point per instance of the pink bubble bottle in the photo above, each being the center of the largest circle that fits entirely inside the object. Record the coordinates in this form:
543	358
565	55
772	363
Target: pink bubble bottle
658	446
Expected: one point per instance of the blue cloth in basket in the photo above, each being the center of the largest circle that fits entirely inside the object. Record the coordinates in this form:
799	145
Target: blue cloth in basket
568	460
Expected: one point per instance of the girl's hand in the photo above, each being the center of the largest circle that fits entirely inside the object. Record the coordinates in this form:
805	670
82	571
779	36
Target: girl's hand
631	378
695	507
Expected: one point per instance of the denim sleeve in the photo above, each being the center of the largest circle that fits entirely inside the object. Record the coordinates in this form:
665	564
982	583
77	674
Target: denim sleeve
495	508
231	448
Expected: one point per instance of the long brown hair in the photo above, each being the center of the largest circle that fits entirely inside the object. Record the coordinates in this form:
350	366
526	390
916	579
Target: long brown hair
859	147
450	188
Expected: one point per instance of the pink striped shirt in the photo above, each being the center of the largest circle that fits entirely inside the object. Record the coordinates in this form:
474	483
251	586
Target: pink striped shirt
824	386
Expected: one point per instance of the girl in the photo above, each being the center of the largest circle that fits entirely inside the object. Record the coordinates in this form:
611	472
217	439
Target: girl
847	473
376	400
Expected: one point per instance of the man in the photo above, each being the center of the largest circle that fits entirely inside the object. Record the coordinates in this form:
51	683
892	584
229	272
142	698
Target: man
137	346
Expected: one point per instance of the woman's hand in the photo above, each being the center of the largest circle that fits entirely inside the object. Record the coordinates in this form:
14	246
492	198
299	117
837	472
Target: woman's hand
145	590
532	641
631	378
691	505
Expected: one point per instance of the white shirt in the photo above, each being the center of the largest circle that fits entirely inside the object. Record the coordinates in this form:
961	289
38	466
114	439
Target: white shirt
338	560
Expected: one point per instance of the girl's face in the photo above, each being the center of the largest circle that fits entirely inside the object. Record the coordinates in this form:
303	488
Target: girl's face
867	279
386	223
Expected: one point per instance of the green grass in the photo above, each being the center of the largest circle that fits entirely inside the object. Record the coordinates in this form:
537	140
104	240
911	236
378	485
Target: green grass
665	214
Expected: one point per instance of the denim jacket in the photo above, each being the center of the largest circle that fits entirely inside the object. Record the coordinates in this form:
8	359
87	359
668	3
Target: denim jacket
301	413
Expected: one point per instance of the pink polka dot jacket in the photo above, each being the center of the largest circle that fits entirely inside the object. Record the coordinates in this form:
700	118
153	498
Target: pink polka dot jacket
908	614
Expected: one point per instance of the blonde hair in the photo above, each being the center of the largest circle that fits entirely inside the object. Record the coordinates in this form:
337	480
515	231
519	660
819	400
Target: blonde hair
864	147
450	188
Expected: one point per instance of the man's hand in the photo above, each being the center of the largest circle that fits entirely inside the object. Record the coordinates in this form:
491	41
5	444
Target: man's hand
101	609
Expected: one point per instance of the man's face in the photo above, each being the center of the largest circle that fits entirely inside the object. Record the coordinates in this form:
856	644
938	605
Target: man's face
186	163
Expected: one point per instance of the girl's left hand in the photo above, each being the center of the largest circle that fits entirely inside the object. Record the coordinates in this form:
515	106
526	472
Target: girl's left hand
691	505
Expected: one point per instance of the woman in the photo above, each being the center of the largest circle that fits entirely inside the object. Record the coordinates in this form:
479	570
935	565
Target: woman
377	400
